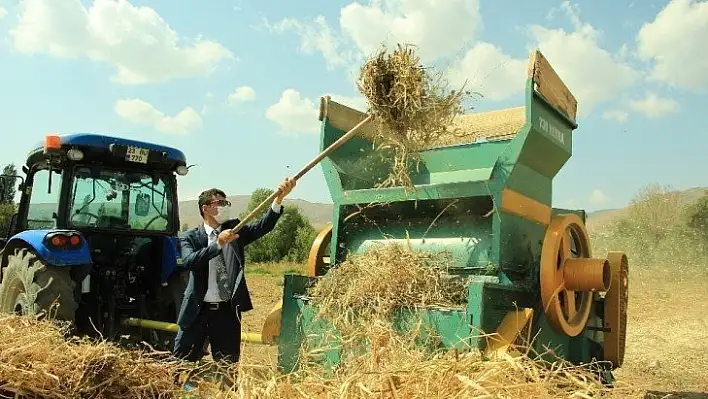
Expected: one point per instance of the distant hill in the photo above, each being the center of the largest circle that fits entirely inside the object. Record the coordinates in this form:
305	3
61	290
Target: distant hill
602	217
318	214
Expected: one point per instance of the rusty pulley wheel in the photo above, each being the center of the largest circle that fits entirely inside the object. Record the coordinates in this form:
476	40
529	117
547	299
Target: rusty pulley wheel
318	260
569	276
615	314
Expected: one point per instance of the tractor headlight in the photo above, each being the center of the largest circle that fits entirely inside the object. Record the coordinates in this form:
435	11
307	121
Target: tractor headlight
74	154
182	170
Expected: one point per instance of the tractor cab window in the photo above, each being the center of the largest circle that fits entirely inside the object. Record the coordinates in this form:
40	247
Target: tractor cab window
44	199
120	200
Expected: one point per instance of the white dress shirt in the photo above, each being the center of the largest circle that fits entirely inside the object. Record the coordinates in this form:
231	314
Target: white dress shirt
212	294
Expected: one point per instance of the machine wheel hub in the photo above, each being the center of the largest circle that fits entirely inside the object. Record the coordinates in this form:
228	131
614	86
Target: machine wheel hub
569	276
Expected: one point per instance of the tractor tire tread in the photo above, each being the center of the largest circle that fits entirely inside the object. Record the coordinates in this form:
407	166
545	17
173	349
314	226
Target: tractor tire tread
50	290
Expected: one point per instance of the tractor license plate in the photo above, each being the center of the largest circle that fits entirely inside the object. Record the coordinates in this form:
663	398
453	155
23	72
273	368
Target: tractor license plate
137	154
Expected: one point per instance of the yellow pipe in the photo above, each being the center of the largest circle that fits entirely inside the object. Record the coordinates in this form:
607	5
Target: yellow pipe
253	338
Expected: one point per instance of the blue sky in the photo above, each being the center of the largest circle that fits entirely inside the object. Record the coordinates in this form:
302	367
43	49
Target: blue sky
236	83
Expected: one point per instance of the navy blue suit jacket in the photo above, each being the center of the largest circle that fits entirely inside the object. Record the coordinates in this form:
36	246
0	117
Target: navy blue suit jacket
196	254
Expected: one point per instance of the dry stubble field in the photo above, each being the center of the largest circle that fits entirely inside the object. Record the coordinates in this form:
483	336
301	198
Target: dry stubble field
667	343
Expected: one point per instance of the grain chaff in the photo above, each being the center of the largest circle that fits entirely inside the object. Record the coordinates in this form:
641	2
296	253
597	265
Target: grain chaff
410	105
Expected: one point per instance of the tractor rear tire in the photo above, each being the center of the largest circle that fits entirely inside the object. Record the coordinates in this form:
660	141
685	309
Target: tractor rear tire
31	288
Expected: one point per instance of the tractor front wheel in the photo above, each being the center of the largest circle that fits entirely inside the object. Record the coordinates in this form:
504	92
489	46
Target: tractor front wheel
31	288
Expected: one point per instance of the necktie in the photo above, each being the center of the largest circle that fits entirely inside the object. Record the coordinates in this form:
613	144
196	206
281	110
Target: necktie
221	274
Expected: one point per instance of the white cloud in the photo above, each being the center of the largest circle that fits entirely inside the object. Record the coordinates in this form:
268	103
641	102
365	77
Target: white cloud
490	72
143	113
206	107
675	42
134	39
498	76
616	115
3	12
242	94
357	102
598	197
445	33
294	113
316	37
439	28
591	73
653	106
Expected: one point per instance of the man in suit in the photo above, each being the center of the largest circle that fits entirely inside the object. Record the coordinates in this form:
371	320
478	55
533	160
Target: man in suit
216	293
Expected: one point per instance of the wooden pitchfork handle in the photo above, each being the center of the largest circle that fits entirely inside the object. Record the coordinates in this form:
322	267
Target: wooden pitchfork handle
302	172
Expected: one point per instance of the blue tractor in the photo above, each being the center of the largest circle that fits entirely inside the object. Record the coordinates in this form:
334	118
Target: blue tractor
94	240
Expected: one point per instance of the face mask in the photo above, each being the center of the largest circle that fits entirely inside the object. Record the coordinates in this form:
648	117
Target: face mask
222	214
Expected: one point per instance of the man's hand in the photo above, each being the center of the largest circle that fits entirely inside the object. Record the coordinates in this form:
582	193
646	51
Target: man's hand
226	237
284	189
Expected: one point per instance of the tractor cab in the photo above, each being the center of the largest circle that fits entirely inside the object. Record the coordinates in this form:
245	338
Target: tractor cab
96	183
100	214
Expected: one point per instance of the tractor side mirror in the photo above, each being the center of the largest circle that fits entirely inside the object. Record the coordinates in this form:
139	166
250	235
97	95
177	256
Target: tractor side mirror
142	204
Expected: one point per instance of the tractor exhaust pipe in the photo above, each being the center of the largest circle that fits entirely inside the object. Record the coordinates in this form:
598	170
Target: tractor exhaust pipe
253	338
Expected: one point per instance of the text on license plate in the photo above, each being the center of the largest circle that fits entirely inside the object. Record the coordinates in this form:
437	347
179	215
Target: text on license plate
137	154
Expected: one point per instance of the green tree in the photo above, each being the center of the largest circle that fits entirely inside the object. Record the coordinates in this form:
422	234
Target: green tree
6	212
304	237
257	196
289	238
8	185
8	189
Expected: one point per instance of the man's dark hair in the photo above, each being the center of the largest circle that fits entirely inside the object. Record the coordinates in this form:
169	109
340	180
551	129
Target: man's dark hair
206	196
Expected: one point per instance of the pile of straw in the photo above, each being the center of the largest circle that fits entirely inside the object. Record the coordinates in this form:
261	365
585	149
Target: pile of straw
414	376
370	286
359	298
37	361
410	107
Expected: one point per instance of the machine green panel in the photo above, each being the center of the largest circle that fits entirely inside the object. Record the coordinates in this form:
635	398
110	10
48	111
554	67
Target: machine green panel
398	194
359	165
519	250
456	207
531	183
459	229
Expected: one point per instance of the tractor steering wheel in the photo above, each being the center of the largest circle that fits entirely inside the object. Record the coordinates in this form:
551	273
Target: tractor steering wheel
84	213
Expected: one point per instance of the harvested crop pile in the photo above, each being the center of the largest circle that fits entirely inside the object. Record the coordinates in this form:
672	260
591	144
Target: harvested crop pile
369	287
410	107
360	296
37	361
417	376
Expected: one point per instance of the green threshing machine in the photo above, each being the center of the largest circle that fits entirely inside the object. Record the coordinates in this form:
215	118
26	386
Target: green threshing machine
486	201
